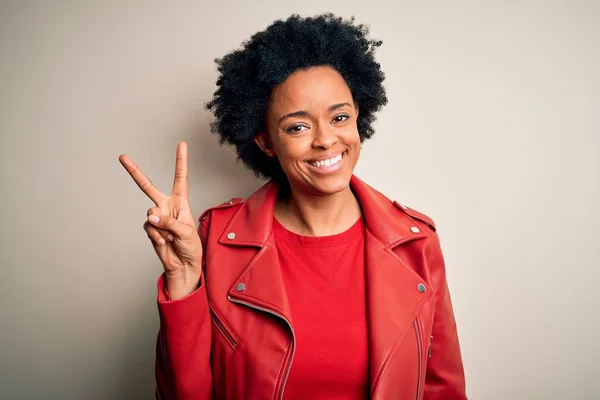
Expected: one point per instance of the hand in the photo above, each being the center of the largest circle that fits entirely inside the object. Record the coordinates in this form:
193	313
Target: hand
171	227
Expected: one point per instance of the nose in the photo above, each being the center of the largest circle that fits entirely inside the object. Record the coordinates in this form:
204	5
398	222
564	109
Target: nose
324	137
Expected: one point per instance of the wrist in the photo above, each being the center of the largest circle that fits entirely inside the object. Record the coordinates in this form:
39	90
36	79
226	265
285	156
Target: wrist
180	285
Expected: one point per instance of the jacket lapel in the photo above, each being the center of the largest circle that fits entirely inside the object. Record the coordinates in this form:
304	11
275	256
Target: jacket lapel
392	288
260	283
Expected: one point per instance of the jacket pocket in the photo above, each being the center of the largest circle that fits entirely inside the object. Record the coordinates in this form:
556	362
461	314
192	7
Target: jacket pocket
228	337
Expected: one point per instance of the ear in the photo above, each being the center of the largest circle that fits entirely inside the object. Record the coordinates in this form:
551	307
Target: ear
356	109
263	141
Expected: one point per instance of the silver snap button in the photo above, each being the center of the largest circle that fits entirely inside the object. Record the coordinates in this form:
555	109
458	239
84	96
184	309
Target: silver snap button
229	202
231	235
203	217
414	229
240	287
421	288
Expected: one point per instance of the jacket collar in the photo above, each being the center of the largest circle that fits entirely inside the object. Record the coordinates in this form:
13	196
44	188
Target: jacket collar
253	222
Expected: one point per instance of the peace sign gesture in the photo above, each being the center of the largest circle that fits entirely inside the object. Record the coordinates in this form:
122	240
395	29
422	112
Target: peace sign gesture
171	226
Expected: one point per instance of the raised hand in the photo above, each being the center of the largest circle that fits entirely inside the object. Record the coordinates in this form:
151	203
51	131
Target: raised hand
171	226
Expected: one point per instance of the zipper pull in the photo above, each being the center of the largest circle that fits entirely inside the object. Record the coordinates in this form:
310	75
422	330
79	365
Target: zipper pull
429	349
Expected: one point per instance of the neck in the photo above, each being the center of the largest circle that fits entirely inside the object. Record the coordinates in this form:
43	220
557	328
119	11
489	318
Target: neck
313	215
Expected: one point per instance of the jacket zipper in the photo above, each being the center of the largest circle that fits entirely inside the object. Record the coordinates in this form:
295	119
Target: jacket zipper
228	337
289	365
420	351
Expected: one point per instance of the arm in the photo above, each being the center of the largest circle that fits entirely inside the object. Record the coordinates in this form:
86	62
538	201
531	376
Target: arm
444	379
183	369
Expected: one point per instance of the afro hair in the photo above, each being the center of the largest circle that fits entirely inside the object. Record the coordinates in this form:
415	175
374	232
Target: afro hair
248	76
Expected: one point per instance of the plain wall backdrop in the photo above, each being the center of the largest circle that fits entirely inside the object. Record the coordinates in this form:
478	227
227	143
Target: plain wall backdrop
492	129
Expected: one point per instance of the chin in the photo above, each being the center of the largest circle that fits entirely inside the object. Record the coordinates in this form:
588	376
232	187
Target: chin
335	185
324	185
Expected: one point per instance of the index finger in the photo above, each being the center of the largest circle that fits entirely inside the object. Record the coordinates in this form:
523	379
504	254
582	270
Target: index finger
180	183
141	179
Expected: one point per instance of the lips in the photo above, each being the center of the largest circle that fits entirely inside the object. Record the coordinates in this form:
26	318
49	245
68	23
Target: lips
327	162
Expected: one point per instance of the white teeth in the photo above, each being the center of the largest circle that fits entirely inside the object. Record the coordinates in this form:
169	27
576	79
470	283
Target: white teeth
327	163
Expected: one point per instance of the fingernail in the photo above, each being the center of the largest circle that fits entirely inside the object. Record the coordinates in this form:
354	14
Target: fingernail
153	219
170	237
161	241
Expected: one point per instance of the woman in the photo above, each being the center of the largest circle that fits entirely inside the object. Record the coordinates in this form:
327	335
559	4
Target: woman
317	286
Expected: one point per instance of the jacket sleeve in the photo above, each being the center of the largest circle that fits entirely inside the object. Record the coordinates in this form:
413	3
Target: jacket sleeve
444	379
183	369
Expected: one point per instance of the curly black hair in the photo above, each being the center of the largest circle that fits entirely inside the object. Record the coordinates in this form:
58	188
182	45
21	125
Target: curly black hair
248	76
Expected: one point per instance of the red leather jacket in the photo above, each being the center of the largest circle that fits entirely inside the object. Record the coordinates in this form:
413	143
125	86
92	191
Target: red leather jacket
233	338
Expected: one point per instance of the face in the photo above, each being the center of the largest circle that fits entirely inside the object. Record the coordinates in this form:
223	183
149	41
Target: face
311	129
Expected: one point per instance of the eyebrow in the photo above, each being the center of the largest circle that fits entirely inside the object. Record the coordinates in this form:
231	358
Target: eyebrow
304	113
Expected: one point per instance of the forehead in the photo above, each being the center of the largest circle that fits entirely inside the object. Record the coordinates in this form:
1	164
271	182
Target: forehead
314	88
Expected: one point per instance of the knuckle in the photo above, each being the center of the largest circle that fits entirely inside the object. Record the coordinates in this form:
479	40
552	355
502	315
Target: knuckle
148	227
146	185
181	175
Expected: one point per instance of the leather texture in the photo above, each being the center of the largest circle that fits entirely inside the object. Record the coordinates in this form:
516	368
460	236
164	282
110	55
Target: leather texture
233	337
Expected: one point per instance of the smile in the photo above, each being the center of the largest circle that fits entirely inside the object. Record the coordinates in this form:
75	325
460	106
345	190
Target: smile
326	163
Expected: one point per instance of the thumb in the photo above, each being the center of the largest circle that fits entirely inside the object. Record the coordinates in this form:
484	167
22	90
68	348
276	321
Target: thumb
175	227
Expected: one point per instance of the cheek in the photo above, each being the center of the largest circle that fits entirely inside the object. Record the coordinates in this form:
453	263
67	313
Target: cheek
291	151
351	136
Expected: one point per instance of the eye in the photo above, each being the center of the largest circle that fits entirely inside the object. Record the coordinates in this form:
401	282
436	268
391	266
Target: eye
340	118
296	128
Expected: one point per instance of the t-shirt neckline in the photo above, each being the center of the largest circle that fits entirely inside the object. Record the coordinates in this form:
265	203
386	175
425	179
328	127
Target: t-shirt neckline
353	233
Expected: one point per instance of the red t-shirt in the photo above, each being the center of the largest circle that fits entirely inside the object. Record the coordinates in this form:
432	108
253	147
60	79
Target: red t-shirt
325	282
